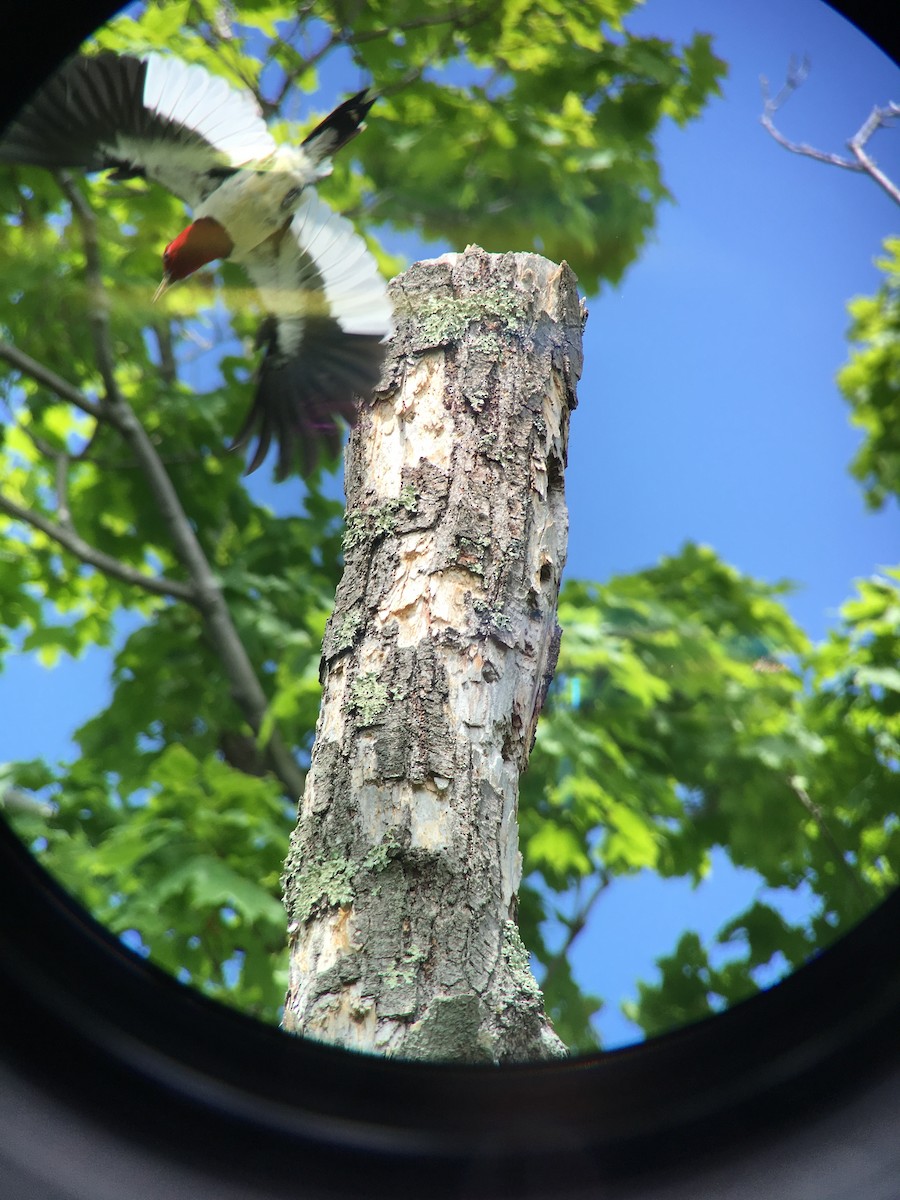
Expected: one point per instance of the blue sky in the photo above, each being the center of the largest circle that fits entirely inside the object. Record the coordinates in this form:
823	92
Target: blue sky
708	409
711	371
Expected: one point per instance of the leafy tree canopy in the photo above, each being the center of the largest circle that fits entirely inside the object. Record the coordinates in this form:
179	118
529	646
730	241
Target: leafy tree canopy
689	711
871	382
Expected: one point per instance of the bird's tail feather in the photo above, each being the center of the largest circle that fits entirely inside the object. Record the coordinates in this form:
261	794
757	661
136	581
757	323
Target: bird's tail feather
339	127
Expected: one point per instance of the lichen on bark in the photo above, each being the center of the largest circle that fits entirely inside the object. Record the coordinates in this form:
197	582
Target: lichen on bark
403	872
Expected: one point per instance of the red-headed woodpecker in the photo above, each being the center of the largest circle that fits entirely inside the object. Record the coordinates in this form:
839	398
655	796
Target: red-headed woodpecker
254	203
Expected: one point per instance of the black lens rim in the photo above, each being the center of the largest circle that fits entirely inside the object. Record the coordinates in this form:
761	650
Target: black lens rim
168	1094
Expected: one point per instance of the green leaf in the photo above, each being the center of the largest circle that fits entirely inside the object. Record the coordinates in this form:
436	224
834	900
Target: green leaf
556	851
881	677
209	883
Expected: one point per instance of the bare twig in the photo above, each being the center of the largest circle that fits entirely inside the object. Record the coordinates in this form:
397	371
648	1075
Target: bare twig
63	512
574	926
69	540
310	61
84	454
879	118
457	18
796	75
796	786
42	446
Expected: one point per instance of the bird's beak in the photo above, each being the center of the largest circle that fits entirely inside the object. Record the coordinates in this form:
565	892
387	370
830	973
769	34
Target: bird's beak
163	286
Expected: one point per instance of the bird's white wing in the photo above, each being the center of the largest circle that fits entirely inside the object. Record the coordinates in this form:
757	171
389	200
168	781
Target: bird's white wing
152	116
329	317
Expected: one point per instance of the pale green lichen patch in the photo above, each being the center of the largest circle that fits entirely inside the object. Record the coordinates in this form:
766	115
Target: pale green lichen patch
380	520
368	697
445	318
493	614
346	632
408	498
405	971
381	856
471	552
326	884
513	949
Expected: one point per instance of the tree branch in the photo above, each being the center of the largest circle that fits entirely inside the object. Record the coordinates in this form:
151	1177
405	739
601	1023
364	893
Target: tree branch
206	594
861	162
98	310
85	455
70	540
41	374
456	18
16	800
167	365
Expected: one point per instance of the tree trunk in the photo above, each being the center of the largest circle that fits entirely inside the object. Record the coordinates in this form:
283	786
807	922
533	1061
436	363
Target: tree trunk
402	878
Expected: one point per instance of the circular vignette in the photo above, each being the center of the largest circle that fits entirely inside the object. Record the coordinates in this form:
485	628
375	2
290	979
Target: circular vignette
116	1081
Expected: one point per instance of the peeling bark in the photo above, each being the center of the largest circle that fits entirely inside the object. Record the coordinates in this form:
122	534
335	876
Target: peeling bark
404	867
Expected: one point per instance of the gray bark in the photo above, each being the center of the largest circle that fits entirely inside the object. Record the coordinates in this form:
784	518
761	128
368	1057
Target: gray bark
404	867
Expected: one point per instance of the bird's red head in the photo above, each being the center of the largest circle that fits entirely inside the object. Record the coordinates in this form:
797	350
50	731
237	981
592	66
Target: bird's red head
202	241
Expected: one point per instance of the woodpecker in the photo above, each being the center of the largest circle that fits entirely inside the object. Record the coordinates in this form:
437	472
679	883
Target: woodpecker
254	202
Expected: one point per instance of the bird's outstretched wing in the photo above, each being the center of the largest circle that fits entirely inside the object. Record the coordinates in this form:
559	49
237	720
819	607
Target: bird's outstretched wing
153	116
328	319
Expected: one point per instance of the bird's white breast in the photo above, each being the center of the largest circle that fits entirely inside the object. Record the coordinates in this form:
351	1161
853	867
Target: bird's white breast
255	202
